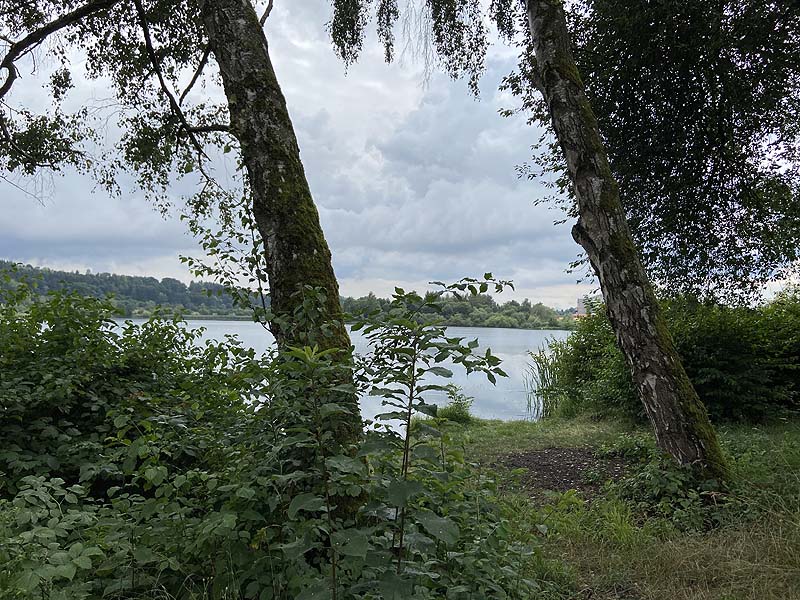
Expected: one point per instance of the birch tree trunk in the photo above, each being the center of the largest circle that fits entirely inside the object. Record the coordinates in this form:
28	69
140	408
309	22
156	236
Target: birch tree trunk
679	419
297	254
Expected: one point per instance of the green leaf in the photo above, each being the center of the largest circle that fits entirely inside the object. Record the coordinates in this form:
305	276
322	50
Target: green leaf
144	555
426	452
83	562
441	528
391	416
401	490
66	571
310	502
245	492
326	410
427	430
427	409
317	591
441	371
76	549
345	464
351	542
394	587
28	580
297	548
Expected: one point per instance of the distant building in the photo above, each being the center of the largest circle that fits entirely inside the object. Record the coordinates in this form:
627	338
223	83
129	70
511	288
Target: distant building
581	311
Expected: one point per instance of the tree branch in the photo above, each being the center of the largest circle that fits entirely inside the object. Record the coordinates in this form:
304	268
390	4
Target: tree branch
213	127
197	73
268	10
173	103
33	39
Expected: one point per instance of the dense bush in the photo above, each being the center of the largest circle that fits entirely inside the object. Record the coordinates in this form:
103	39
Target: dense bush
138	463
742	361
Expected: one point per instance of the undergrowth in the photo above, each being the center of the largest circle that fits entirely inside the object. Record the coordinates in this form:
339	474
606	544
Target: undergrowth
139	463
658	533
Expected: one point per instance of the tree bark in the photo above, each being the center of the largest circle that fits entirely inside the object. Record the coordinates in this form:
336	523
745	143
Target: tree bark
297	254
679	419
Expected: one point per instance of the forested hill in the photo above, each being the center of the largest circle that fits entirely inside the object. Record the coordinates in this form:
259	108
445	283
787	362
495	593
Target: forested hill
139	296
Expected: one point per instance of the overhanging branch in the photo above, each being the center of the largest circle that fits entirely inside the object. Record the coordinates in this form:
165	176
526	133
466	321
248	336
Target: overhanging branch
173	103
33	39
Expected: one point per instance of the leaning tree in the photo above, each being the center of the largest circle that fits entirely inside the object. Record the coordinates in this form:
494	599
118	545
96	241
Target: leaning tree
455	32
162	60
706	147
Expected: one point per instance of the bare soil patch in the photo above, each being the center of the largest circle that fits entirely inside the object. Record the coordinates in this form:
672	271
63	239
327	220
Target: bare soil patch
562	469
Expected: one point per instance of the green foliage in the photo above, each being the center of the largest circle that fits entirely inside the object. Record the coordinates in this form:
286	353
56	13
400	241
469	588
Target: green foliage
154	143
742	361
628	445
143	296
586	372
451	33
474	310
664	489
133	295
733	65
139	463
458	406
545	398
734	543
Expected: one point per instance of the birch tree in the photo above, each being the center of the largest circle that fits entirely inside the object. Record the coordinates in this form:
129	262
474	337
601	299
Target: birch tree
163	60
679	419
457	36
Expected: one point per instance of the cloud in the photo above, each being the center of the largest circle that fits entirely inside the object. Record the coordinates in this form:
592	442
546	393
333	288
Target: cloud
414	183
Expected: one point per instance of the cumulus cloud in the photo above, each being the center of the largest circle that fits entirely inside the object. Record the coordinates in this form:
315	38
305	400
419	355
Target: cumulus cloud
414	182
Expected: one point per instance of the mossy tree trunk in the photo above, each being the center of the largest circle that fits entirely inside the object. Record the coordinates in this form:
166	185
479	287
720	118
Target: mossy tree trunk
679	419
297	254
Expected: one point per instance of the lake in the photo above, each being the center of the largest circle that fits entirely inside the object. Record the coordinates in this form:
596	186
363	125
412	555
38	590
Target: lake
507	400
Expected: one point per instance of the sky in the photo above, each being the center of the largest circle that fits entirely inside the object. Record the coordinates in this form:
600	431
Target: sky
414	179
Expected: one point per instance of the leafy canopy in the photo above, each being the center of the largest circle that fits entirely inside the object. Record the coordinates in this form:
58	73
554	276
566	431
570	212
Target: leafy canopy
699	103
144	51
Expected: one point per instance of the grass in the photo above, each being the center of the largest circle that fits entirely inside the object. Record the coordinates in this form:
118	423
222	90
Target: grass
610	548
489	440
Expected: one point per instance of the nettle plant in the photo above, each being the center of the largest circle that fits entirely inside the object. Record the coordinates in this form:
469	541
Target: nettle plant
209	472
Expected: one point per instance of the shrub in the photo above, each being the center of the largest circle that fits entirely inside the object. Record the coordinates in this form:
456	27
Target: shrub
586	373
742	361
458	406
140	463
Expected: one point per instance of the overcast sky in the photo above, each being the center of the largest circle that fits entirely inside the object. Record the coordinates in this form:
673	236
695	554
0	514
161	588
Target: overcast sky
413	182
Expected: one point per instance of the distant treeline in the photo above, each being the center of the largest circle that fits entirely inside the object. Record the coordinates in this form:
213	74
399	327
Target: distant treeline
134	296
481	311
137	296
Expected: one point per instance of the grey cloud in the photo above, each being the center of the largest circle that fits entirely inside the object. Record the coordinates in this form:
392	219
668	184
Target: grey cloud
413	184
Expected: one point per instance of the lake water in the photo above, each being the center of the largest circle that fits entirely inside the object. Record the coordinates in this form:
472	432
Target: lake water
507	400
